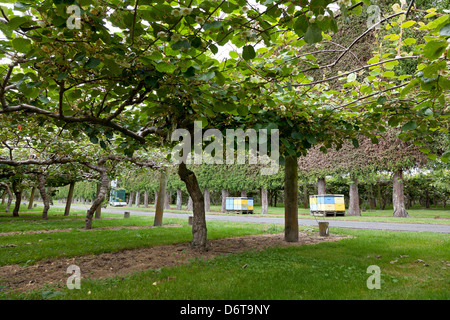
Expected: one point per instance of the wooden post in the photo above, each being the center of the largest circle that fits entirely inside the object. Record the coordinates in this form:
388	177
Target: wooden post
127	214
323	229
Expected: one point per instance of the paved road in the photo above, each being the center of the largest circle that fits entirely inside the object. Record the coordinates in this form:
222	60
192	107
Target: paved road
415	227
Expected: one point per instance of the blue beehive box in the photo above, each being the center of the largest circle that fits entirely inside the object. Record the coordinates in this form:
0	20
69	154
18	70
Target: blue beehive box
328	200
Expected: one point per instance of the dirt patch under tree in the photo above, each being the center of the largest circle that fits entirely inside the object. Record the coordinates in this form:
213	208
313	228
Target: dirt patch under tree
53	271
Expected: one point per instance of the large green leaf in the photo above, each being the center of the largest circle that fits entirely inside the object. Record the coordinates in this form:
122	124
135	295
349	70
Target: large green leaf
21	45
301	25
434	49
313	34
248	52
92	63
411	125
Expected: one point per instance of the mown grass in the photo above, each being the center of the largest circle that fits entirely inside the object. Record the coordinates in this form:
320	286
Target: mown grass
28	248
332	270
413	265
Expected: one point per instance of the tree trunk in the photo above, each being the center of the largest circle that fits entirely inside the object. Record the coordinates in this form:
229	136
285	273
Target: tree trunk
224	200
398	197
10	195
207	199
305	196
69	198
146	199
179	199
17	204
101	195
190	205
321	186
353	205
264	201
199	231
44	195
291	199
98	211
138	199
243	193
30	204
379	197
18	194
275	198
167	200
156	198
130	200
159	207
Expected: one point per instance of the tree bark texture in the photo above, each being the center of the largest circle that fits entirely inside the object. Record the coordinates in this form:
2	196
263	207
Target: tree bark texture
69	199
305	196
159	207
30	204
190	205
130	200
146	199
167	200
224	200
98	211
17	190
321	186
353	206
291	199
398	197
179	199
264	201
101	195
199	231
207	199
156	198
44	194
10	196
138	199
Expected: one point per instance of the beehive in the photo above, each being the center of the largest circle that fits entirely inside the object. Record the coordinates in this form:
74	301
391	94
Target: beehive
327	204
239	204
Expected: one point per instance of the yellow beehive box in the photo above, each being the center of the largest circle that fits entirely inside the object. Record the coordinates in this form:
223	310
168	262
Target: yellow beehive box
340	207
339	200
250	207
243	201
313	200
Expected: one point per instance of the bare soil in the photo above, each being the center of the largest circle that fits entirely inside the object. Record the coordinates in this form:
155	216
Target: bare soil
53	271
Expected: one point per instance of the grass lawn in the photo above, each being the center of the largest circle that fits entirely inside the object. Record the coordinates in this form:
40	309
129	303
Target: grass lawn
413	265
